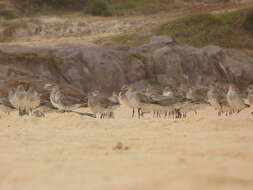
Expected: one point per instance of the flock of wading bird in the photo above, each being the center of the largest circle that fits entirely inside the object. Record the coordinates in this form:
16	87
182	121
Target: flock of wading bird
161	102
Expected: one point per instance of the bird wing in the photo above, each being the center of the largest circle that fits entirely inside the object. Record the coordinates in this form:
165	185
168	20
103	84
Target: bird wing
106	103
66	100
146	99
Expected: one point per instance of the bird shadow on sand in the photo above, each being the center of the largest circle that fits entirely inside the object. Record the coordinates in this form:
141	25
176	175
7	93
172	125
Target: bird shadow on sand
83	114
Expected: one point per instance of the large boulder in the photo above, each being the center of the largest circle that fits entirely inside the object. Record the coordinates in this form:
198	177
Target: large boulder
159	61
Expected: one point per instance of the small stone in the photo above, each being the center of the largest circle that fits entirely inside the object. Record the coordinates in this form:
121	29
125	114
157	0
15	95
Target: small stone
118	146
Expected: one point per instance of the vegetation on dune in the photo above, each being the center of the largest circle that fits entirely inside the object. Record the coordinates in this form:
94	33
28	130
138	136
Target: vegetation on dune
129	39
28	7
99	8
94	7
117	7
6	13
248	23
142	6
122	38
230	29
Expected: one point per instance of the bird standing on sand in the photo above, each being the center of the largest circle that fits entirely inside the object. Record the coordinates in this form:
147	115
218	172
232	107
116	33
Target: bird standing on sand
235	100
135	100
214	98
198	98
100	104
64	102
124	99
32	100
20	99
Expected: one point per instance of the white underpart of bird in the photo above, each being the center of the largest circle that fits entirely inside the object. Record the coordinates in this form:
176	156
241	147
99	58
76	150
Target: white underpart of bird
213	98
133	98
168	93
190	94
62	102
52	96
234	99
100	104
12	98
32	100
21	96
123	99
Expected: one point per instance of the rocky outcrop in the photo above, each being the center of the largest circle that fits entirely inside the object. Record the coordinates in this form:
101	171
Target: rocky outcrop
159	61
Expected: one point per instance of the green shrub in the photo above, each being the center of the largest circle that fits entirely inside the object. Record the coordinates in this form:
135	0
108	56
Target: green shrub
99	8
128	5
121	38
57	3
248	23
7	14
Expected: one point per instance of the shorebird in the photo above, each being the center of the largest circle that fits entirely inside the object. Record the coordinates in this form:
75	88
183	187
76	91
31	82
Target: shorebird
138	100
215	99
168	92
198	96
32	100
235	100
190	94
62	101
158	99
124	99
100	104
20	99
113	98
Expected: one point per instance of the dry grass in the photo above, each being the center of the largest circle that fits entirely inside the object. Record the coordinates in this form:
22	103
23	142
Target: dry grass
225	29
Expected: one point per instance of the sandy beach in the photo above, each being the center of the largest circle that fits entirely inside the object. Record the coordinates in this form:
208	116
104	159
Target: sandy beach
69	151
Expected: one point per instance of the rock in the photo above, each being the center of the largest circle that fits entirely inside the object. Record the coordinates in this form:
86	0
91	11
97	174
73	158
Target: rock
38	114
118	146
79	69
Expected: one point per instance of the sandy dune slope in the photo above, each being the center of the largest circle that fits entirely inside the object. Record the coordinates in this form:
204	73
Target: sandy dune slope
80	29
68	151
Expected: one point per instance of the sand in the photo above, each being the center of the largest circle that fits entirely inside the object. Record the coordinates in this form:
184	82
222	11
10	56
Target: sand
73	152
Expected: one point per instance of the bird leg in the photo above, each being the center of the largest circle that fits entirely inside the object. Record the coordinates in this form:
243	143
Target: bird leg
133	113
19	112
139	113
142	114
112	115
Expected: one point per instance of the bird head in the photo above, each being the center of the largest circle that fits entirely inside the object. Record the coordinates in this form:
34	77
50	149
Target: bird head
51	86
20	88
